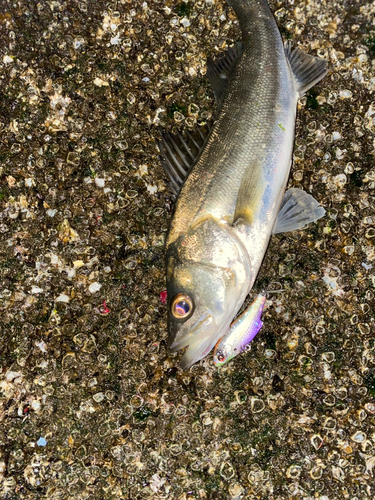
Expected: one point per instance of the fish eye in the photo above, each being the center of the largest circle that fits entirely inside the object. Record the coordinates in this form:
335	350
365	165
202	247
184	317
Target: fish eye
182	306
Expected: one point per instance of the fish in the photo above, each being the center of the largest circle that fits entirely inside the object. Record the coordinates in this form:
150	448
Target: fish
229	178
241	332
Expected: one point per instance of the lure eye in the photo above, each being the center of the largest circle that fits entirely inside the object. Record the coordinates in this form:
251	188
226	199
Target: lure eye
182	306
220	356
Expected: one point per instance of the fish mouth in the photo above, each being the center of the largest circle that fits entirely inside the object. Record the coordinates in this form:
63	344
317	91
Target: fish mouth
203	329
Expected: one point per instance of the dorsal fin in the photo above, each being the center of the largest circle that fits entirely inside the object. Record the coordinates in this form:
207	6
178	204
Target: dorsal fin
179	154
307	70
220	70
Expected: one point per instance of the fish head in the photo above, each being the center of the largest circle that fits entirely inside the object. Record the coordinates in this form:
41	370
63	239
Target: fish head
199	296
206	284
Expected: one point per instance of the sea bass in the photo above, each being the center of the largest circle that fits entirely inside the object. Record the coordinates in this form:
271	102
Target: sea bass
231	181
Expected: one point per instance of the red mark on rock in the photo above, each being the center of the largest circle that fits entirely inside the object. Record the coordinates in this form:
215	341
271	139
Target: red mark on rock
104	309
163	296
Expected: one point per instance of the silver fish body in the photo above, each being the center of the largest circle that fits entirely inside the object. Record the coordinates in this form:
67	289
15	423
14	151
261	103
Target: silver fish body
228	205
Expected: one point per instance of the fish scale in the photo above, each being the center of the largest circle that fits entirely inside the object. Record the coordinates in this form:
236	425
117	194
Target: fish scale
251	100
236	185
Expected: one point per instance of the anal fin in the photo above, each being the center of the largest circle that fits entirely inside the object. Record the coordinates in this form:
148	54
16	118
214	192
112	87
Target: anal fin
297	209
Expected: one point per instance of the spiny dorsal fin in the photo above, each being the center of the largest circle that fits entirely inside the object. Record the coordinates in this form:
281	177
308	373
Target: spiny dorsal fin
179	154
220	70
307	70
297	209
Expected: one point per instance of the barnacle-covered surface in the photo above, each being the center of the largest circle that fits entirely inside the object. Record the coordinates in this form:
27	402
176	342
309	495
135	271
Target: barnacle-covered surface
92	405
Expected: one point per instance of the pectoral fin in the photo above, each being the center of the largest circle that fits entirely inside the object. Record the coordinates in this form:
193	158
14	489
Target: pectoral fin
296	211
250	193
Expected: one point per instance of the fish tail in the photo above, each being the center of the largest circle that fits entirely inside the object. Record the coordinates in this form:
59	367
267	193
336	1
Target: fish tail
254	14
244	7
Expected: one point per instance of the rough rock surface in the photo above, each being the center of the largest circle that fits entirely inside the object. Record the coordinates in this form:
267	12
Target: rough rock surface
91	404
